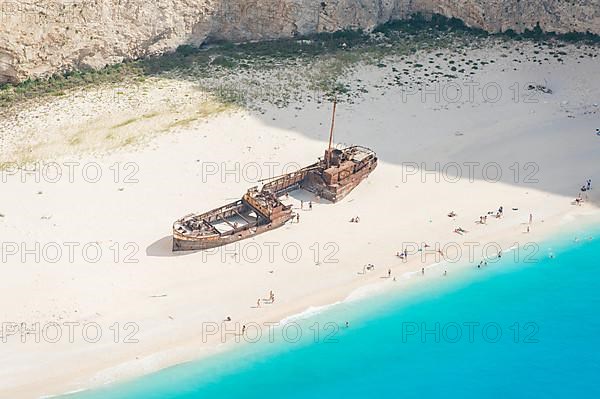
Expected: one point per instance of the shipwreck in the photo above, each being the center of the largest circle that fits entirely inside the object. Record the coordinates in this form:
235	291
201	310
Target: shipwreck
332	178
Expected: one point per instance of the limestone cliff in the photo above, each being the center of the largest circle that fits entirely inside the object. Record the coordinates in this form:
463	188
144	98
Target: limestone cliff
39	37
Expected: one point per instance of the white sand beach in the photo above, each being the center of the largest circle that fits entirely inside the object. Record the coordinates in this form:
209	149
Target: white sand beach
103	246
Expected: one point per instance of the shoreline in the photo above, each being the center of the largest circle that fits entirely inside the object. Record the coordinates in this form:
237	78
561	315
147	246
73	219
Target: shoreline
372	284
376	290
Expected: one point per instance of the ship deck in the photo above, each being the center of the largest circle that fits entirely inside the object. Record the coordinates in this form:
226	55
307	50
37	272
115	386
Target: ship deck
235	222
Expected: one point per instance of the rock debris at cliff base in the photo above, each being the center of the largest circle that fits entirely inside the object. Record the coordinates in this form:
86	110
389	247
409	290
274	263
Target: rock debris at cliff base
39	38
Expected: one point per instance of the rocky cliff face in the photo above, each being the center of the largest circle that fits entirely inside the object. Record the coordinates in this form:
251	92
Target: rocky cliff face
39	37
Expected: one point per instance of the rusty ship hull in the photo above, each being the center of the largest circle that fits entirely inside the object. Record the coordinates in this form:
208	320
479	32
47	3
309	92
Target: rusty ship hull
207	231
331	178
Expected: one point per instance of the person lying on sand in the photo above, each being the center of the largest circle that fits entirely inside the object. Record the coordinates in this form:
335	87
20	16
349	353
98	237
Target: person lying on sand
452	214
460	230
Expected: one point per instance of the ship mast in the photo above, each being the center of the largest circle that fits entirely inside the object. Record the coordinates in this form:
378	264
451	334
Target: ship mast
331	133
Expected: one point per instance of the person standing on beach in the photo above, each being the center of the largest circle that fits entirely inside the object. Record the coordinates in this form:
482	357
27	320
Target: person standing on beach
389	273
258	303
423	271
310	205
530	218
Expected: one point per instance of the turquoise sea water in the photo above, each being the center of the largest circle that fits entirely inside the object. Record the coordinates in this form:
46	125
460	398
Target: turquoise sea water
511	329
